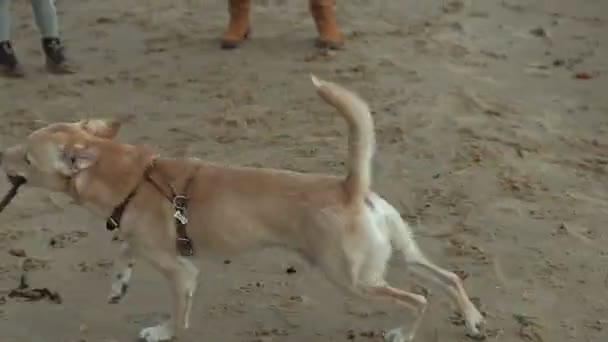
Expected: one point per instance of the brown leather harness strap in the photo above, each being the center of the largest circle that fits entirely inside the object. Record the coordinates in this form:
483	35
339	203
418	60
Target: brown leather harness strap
180	204
113	222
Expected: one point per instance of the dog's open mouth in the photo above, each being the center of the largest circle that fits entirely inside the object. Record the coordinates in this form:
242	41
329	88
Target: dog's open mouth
16	182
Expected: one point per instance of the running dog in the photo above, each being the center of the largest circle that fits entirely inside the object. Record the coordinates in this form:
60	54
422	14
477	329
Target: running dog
171	212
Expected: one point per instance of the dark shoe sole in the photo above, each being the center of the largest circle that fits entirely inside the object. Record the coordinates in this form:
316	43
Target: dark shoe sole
12	72
233	44
60	69
328	44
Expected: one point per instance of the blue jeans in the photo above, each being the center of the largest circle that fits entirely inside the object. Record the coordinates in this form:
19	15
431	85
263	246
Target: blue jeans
44	12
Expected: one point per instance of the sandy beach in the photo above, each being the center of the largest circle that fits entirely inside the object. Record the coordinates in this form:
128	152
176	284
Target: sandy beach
491	120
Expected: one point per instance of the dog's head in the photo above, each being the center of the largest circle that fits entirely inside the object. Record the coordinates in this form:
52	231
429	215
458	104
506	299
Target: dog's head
54	155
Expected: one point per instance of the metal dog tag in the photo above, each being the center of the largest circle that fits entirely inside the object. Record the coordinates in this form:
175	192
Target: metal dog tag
179	216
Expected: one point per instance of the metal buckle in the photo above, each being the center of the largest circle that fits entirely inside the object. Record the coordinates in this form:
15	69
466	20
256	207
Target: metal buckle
111	224
180	217
179	202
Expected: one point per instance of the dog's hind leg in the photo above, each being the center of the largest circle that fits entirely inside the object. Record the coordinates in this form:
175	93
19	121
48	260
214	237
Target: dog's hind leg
402	240
415	260
369	282
360	271
406	299
120	283
373	288
451	284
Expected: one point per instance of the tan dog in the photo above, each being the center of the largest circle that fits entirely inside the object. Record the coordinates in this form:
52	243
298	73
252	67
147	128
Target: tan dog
323	13
336	223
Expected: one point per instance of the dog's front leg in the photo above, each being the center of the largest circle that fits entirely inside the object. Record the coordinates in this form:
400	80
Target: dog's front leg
120	283
182	275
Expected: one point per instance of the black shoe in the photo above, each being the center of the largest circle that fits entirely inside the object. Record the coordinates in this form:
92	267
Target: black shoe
9	65
56	62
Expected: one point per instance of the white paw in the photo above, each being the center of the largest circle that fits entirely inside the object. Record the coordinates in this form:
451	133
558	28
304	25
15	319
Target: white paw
395	335
156	334
475	324
119	290
120	286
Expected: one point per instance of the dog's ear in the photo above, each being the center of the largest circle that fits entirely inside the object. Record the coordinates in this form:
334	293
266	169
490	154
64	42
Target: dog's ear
76	158
107	129
37	124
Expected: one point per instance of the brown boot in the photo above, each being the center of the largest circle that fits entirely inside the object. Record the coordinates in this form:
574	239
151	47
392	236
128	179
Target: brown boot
238	28
324	14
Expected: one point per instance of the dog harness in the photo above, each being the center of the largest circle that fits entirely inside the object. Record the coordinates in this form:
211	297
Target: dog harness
180	204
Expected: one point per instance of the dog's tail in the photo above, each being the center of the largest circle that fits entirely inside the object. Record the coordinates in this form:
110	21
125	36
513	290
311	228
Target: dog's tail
361	138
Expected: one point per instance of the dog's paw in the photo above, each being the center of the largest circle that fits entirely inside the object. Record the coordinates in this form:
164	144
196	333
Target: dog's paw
119	286
156	334
119	290
112	299
396	335
475	323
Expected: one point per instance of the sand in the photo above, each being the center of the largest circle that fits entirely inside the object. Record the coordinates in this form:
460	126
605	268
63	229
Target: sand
487	142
